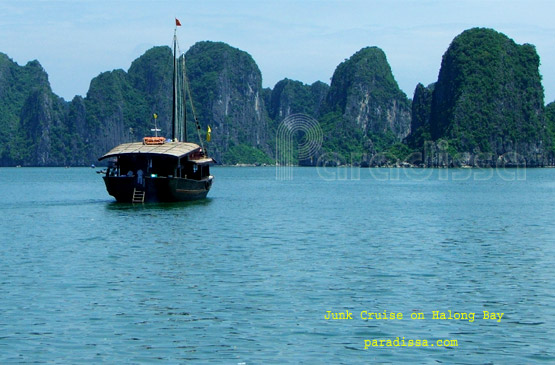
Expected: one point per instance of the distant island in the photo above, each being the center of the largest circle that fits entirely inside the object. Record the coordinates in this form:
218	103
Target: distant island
486	108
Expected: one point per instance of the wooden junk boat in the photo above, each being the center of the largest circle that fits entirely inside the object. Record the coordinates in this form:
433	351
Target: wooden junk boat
159	169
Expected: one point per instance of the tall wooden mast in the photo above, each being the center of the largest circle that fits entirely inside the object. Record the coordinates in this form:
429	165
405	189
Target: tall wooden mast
174	93
183	71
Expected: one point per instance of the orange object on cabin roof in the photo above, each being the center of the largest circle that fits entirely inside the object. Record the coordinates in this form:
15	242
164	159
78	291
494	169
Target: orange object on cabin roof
154	140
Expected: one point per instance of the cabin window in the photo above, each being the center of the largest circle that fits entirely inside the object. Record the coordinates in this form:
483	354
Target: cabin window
132	164
162	166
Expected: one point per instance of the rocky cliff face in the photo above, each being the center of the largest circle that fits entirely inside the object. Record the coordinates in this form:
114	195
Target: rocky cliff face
421	107
119	105
107	113
227	89
364	91
40	129
488	101
32	118
550	122
486	107
421	110
365	112
292	97
151	76
47	137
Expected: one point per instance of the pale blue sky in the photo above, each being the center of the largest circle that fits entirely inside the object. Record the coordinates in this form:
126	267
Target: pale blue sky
302	40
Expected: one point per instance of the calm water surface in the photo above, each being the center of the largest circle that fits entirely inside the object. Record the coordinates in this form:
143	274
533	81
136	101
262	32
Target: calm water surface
247	276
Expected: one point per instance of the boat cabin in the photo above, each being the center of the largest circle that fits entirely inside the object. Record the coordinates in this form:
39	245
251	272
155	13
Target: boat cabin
168	160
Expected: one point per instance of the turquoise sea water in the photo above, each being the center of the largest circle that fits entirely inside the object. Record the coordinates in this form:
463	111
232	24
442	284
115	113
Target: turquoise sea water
248	275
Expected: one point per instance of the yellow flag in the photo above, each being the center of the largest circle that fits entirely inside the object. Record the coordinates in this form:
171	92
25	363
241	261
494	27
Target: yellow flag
208	134
155	115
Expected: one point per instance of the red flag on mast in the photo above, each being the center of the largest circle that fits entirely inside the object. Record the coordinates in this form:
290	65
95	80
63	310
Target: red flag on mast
177	22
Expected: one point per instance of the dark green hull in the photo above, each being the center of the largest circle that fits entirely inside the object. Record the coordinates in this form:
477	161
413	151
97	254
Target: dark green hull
157	189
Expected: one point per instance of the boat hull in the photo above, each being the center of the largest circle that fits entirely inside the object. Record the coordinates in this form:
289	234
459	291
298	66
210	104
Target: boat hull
157	189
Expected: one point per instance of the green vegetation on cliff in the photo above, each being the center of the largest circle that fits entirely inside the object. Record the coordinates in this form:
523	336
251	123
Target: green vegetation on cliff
550	121
489	96
487	101
293	97
119	105
244	154
366	112
111	95
364	76
33	127
227	90
420	123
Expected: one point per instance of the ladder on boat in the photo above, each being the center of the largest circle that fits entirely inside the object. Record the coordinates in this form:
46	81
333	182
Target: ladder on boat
138	196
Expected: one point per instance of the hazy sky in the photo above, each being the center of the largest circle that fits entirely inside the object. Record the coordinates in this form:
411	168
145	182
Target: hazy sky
75	40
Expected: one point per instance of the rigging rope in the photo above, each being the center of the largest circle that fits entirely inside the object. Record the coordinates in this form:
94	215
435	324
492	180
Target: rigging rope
182	127
188	89
182	101
180	131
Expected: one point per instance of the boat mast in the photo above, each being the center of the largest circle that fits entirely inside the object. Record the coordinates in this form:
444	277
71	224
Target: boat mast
184	132
156	129
174	96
